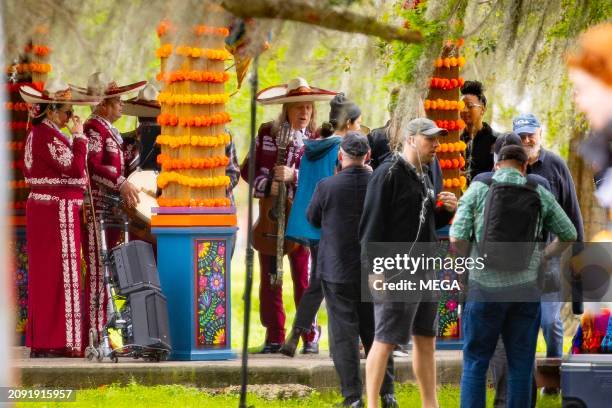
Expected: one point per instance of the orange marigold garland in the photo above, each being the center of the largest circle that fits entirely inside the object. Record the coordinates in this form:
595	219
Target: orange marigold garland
443	104
169	163
193	202
196	76
164	178
169	119
455	182
194	52
196	141
196	99
165	26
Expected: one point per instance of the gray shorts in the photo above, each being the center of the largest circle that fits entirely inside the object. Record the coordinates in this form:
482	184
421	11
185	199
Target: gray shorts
397	321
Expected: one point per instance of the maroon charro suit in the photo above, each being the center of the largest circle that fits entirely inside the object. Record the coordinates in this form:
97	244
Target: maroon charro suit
106	167
271	310
54	167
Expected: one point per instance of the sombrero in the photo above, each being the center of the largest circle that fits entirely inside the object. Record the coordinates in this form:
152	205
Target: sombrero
55	91
145	104
297	90
98	85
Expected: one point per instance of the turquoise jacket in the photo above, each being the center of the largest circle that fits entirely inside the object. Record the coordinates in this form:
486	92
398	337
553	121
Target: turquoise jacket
319	160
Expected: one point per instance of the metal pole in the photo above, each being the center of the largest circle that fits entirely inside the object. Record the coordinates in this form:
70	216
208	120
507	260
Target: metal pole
249	250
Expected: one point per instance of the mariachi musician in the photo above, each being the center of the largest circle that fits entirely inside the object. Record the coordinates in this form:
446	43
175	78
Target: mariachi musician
54	168
299	114
107	178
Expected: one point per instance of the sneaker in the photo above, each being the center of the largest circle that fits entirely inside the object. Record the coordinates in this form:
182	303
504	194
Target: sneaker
388	401
549	391
400	353
351	403
311	347
270	348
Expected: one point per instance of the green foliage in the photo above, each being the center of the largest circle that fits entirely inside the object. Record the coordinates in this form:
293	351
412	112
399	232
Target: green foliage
135	396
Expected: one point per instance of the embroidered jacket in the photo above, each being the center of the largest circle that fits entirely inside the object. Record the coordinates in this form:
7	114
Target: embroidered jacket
105	161
52	160
265	160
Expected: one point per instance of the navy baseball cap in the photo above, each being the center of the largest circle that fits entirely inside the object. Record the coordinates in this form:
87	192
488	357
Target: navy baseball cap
355	144
526	123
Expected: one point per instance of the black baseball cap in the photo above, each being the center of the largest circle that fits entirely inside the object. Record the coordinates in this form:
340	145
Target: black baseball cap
513	153
507	139
355	144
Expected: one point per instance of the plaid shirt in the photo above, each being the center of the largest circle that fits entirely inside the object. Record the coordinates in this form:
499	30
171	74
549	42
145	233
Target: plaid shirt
470	214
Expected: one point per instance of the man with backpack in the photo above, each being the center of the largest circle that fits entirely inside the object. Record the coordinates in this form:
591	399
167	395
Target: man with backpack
503	297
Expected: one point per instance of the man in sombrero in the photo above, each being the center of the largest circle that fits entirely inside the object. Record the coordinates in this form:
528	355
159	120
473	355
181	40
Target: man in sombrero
299	112
107	176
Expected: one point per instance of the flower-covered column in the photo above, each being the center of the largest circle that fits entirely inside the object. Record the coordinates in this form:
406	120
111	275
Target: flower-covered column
443	106
195	224
31	69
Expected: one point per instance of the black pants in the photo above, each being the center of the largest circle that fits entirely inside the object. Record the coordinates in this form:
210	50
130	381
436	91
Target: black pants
312	298
350	319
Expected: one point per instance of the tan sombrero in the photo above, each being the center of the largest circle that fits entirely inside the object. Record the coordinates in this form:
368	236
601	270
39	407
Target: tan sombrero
297	90
55	91
98	85
145	104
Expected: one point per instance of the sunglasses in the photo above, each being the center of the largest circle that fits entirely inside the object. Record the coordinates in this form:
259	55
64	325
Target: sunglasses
524	136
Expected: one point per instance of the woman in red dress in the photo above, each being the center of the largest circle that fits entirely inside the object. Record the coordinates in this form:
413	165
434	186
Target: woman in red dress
55	170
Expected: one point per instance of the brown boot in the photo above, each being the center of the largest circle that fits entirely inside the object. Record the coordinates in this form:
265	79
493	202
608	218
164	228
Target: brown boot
288	348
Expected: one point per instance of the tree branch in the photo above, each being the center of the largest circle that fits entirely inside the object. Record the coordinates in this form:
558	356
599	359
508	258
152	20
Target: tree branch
334	18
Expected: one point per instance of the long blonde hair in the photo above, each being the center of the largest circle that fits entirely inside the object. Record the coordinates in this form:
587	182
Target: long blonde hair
284	117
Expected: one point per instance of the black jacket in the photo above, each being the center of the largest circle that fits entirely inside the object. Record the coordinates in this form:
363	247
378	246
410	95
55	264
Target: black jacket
393	204
336	207
479	152
378	139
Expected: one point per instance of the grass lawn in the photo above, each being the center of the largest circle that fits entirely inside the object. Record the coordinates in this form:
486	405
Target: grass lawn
134	396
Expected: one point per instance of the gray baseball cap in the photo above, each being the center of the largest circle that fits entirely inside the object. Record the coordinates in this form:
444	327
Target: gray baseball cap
425	127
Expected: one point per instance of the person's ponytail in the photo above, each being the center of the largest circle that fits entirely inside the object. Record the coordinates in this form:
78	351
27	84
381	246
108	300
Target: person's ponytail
327	129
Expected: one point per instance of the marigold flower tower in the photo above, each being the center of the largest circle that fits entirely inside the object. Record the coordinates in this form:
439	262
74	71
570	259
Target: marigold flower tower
32	69
195	223
443	106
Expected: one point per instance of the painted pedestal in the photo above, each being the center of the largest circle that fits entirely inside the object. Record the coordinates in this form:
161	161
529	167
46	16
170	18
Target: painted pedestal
194	251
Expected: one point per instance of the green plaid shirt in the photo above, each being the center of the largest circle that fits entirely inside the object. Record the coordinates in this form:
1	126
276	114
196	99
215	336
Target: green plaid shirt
469	217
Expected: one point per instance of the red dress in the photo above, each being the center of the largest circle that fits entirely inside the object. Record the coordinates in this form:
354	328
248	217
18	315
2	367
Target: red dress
55	170
106	171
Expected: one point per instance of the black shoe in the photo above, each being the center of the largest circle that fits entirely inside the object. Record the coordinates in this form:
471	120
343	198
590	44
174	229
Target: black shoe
388	401
288	348
311	347
351	403
270	348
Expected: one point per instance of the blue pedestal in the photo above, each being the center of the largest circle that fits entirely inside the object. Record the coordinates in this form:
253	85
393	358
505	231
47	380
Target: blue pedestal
194	271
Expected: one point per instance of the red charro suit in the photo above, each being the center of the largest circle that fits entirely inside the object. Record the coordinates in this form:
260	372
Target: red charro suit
106	167
54	167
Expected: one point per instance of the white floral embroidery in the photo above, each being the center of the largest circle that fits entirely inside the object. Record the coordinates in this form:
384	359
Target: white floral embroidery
95	141
60	153
104	181
75	205
112	169
27	156
55	181
66	275
111	146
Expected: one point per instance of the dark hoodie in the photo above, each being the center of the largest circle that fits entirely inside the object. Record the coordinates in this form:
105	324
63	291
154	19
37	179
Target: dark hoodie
318	161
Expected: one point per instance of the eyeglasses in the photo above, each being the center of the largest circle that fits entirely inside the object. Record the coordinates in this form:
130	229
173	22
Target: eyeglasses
472	105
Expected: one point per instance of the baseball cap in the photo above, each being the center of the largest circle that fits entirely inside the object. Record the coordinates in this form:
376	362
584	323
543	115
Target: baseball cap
425	127
526	123
513	153
355	144
507	139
